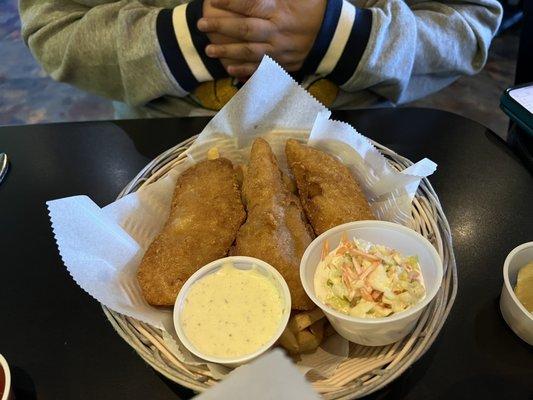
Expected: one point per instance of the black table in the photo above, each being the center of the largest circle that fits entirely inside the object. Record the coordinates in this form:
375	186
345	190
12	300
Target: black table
61	346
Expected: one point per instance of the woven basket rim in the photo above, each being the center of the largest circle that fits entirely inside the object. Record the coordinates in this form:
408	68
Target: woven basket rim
426	204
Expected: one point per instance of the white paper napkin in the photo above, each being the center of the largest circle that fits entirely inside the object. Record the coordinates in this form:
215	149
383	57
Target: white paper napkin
271	377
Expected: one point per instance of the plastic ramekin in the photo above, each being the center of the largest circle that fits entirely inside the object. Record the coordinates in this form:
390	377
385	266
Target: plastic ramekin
375	331
513	312
240	262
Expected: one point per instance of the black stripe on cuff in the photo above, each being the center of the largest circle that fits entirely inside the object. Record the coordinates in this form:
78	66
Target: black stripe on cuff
193	13
355	47
324	37
171	51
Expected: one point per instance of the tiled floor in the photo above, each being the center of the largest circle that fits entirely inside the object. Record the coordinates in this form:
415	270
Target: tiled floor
28	96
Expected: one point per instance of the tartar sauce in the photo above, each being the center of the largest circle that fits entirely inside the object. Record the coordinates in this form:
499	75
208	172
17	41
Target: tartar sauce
232	312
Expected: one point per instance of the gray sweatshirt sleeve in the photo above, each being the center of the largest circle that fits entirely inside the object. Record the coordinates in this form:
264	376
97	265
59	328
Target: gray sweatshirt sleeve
123	50
402	50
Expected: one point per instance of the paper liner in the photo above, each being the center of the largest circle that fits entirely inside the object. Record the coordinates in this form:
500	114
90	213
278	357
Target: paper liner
102	247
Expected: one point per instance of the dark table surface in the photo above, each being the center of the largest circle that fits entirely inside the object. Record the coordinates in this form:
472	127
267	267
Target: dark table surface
60	345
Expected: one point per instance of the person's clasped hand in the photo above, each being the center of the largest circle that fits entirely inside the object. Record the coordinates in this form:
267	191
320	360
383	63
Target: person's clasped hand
283	29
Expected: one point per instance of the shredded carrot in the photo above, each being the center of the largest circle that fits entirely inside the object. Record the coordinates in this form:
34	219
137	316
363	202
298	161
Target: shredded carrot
376	294
365	294
358	267
341	250
407	267
346	281
344	238
367	271
325	250
346	270
355	252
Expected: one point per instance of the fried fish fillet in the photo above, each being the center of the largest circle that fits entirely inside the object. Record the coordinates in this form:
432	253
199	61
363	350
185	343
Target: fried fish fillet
275	230
205	216
330	195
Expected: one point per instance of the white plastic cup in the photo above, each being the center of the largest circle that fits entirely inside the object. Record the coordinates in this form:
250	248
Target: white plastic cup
4	369
239	262
514	313
375	331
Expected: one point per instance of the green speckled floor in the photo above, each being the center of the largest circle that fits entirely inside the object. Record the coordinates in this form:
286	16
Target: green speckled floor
28	96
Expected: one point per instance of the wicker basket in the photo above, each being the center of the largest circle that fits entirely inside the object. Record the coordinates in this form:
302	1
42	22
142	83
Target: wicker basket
367	369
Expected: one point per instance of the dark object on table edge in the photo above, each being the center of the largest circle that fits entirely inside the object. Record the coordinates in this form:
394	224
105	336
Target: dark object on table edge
520	137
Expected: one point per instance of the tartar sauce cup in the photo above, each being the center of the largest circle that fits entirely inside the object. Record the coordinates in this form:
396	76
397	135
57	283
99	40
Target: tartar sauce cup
244	263
513	312
385	330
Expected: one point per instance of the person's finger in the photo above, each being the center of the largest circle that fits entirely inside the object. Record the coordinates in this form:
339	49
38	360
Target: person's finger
228	61
242	71
292	67
247	52
245	29
252	8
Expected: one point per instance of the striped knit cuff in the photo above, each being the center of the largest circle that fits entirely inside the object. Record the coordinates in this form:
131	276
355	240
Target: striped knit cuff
183	46
340	43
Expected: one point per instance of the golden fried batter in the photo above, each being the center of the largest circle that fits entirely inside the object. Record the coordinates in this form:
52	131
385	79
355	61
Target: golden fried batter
205	215
330	195
275	230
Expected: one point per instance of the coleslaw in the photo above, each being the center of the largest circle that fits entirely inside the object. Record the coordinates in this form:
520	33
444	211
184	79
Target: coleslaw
368	280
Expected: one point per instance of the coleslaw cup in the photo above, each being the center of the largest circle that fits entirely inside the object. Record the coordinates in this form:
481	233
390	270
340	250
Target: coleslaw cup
239	262
375	331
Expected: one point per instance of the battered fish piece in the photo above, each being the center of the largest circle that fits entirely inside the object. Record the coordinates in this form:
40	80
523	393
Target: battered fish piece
330	195
275	230
205	216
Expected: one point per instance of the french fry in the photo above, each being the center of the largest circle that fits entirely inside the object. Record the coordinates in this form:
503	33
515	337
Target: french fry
212	153
300	321
307	342
288	341
317	329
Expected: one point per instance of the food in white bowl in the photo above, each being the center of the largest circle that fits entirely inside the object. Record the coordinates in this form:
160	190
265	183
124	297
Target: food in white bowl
514	312
368	280
380	330
232	310
524	286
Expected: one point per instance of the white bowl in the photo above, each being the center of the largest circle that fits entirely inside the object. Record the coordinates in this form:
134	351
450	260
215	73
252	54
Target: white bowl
375	331
513	312
8	394
241	263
